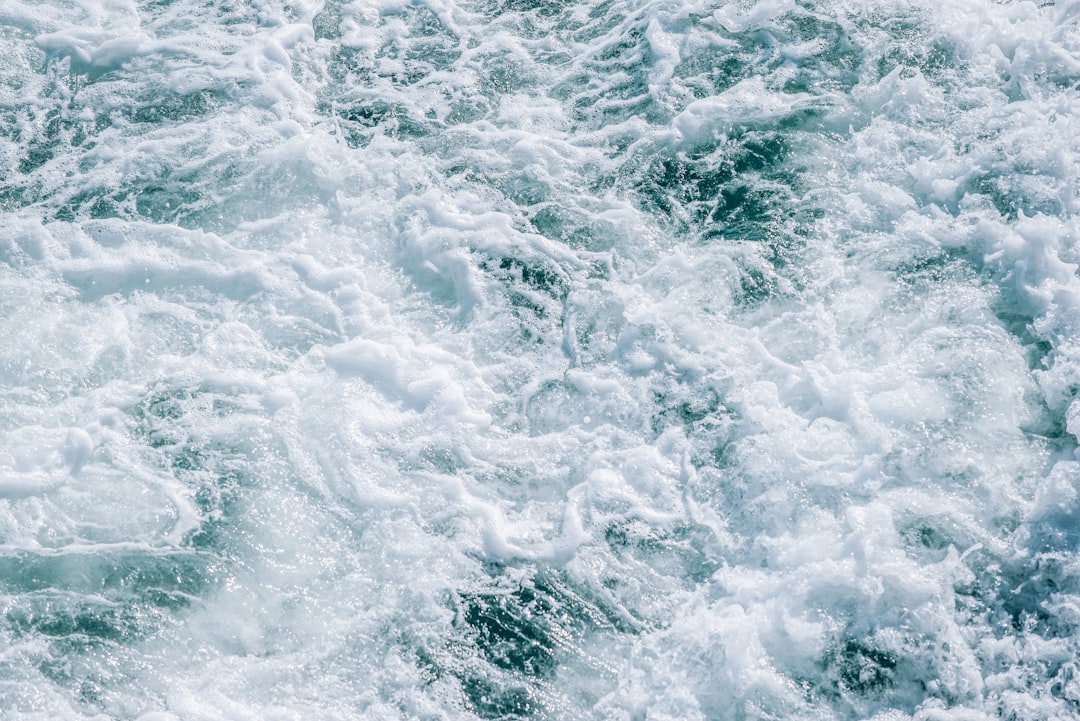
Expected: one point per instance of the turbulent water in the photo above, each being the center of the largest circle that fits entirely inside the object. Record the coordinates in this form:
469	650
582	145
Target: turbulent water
533	359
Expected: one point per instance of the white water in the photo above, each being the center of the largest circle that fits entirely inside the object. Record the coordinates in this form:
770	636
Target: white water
627	360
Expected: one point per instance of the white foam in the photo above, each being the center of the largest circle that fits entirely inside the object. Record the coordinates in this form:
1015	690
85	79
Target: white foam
327	324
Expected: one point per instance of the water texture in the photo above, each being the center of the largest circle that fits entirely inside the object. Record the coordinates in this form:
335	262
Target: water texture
629	360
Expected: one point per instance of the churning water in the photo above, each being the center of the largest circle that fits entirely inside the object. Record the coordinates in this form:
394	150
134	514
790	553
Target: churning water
530	359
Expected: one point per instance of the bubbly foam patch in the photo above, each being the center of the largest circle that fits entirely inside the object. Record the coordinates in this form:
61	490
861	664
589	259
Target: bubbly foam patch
510	360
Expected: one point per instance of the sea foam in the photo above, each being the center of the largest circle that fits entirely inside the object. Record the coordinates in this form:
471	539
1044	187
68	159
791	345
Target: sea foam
506	360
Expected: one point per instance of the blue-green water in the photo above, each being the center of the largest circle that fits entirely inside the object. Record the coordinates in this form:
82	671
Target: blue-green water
620	360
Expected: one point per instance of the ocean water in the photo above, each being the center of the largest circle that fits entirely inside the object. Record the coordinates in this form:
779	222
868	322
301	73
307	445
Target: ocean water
628	360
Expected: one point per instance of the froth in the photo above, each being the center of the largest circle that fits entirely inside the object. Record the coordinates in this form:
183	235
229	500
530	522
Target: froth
512	360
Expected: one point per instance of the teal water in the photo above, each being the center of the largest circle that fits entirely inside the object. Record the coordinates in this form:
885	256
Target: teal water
622	360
